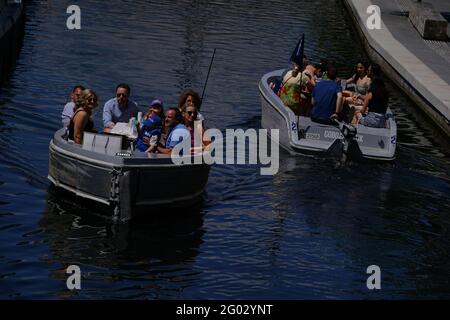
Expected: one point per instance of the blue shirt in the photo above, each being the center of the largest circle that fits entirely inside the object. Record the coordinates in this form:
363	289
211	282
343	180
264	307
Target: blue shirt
150	128
67	113
176	135
325	96
112	113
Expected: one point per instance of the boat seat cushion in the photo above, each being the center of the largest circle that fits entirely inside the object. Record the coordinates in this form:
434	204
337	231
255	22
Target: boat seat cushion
101	142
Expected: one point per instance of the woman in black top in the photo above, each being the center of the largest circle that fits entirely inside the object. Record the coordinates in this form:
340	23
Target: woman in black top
81	120
375	103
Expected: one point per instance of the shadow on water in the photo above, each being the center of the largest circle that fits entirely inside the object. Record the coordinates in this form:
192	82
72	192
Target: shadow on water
150	257
10	46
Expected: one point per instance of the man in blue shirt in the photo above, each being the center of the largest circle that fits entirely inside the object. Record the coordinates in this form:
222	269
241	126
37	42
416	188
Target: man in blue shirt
176	131
326	99
119	109
68	111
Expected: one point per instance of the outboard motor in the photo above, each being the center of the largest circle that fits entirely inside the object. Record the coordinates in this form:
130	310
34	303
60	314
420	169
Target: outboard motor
349	132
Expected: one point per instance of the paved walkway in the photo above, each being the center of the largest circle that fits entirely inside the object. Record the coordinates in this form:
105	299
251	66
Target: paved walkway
422	67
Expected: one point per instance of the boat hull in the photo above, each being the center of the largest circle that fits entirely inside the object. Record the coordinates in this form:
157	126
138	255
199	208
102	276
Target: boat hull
124	182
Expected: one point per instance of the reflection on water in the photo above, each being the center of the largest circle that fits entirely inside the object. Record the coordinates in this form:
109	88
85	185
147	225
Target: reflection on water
308	232
10	45
150	257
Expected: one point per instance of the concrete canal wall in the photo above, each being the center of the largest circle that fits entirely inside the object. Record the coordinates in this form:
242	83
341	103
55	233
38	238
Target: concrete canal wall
411	48
11	31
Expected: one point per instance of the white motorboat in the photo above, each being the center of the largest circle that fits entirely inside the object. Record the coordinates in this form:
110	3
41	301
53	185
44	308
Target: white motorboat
301	135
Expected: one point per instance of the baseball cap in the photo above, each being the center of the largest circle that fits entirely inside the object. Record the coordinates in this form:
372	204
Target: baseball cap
156	102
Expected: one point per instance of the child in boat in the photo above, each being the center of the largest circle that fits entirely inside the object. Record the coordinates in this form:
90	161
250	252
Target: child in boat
149	134
156	107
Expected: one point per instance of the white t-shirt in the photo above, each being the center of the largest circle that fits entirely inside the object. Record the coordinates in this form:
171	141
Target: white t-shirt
67	113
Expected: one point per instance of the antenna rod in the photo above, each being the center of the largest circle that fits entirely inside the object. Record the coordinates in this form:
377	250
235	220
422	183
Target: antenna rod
209	70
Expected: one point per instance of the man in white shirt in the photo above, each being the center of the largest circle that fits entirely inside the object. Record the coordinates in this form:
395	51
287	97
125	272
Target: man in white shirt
68	110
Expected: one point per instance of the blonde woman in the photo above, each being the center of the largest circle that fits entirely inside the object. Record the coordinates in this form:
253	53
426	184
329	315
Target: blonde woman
81	120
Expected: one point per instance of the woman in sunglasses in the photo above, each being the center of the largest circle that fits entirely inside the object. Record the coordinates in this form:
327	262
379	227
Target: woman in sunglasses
81	120
190	98
189	116
195	126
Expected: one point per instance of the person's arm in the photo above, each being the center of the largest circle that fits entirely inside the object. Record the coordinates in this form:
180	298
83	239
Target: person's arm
79	125
67	114
339	103
177	136
163	150
107	115
65	121
206	140
350	80
311	84
167	148
366	102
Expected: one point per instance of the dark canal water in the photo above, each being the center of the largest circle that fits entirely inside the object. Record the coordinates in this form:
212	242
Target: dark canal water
308	232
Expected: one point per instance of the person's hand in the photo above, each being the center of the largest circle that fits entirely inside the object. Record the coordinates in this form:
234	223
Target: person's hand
146	140
152	148
107	130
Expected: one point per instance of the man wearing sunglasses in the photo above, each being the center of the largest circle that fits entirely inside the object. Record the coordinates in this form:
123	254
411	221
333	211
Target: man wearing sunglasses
119	109
175	131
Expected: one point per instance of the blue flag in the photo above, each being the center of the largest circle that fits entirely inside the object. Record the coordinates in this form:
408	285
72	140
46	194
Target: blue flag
297	55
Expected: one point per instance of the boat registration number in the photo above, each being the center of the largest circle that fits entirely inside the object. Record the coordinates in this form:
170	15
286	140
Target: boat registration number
313	136
337	135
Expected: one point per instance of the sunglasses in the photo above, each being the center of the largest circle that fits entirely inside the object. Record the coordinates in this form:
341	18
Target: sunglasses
121	95
190	113
92	100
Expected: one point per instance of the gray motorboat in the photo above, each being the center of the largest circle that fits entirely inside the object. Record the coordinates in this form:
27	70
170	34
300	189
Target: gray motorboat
104	169
301	135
